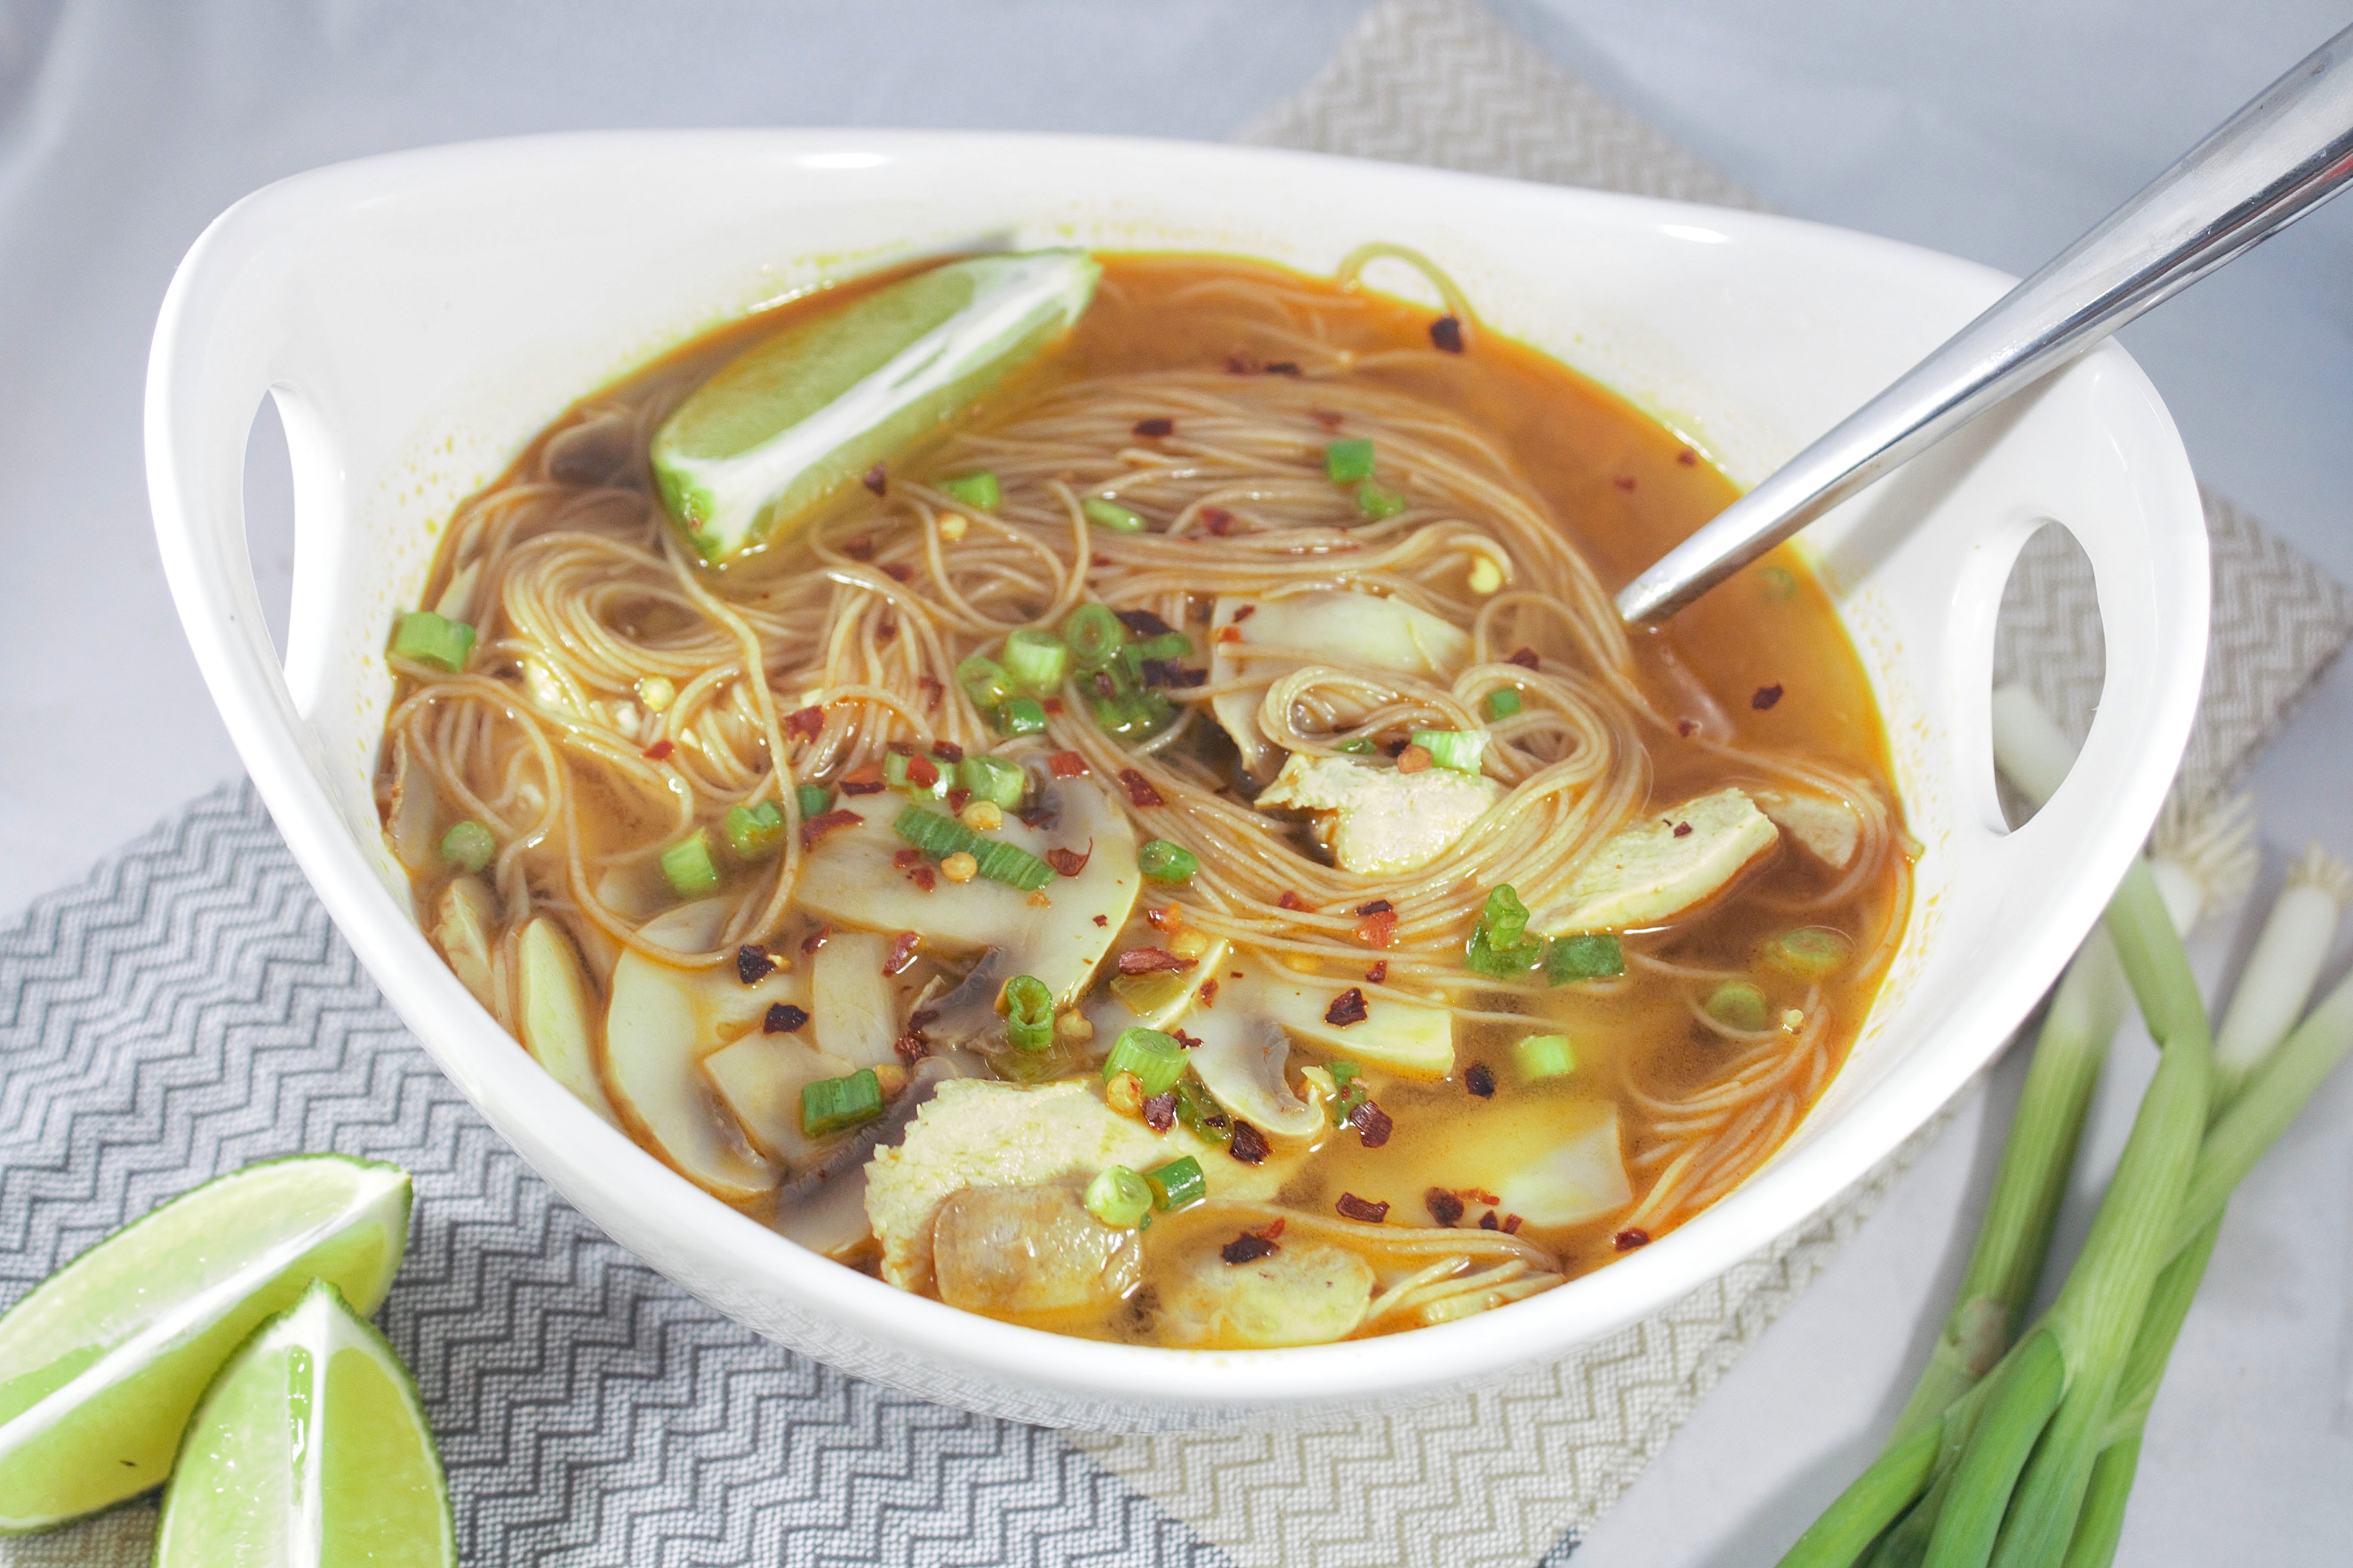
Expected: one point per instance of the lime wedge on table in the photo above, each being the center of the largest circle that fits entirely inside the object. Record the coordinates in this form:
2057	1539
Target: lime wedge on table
309	1449
101	1363
796	417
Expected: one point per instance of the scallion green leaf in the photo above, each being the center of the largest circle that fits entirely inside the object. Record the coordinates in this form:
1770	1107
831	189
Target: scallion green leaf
755	831
1119	1197
939	835
998	782
980	489
1345	462
1095	636
831	1105
1540	1057
1810	952
469	845
1177	1183
1112	515
1588	955
984	681
688	867
1020	716
1162	861
1500	945
1737	1004
1377	502
428	638
1038	661
1156	1060
1028	1013
815	800
1457	748
1503	702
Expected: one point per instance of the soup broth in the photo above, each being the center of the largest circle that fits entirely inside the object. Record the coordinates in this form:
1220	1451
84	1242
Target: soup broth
1402	937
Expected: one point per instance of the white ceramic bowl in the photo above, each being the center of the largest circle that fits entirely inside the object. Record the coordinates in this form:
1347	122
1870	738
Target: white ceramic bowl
418	316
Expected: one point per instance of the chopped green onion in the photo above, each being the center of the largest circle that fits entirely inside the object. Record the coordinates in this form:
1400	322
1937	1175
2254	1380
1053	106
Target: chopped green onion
1167	646
1196	1110
896	776
1810	952
1037	660
980	489
470	845
1028	1013
1345	462
1779	583
831	1104
1456	749
984	681
1165	862
1156	1060
815	800
755	831
1095	636
939	836
1737	1004
1500	945
1112	515
1359	747
1377	502
1503	702
1352	1093
432	639
998	782
1540	1057
1021	716
1177	1183
1133	715
688	867
1119	1197
1589	955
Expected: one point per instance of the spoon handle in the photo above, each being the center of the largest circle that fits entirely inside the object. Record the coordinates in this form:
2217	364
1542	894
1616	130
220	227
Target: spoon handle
2274	161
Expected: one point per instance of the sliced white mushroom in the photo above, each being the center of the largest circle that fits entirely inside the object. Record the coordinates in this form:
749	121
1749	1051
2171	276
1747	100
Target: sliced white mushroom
1824	827
1577	1178
461	930
558	1026
1335	627
409	813
456	600
1026	1250
1657	870
853	1004
1059	935
761	1077
1414	1039
1244	1060
1303	1293
1377	820
636	891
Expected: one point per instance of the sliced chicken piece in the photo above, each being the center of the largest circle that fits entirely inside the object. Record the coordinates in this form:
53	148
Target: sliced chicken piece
1823	825
1024	1250
1653	872
1272	637
1377	820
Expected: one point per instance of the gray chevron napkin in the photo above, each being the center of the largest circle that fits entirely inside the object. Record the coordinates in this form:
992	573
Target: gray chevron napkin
189	1008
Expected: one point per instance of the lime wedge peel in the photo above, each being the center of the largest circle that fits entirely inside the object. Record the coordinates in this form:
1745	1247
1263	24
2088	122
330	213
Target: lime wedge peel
794	419
101	1363
311	1449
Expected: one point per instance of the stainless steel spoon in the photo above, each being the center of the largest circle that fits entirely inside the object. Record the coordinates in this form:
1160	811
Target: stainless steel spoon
2266	166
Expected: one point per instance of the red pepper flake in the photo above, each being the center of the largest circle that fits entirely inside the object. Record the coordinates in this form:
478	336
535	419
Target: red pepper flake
922	1018
1103	921
958	798
1346	1008
1488	1222
906	860
1766	697
1274	1232
1375	906
1377	972
1624	482
923	772
1216	519
932	691
753	963
1443	1206
902	954
1480	1080
817	938
1378	931
900	748
1157	426
1327	417
1248	1248
1283	367
659	751
1054	707
1071	862
814	829
783	1018
910	1049
1351	1207
860	547
1291	900
1372	1124
1167	917
1139	788
1229	634
947	752
1160	1111
1208	993
1446	335
1413	759
1525	657
924	877
805	723
1686	728
1687	458
1511	1225
1066	765
1151	960
877	478
898	571
1480	1196
1241	364
888	632
1144	623
1190	1042
1244	613
1632	1237
1683	830
1250	1145
867	779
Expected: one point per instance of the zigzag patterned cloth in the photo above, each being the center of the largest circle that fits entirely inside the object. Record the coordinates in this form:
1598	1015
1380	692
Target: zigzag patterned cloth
189	1008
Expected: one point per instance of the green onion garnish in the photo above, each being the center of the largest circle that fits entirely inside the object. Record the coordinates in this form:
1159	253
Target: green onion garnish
1500	945
1377	502
1020	716
898	774
1197	1110
939	836
1352	1093
1119	1197
1540	1057
1589	955
1177	1183
1095	636
755	831
1133	715
1345	462
984	681
1737	1004
1810	952
1165	862
1038	661
1359	747
998	782
433	639
1456	749
470	845
1112	515
1028	1013
1503	702
815	800
688	866
1779	584
1156	1060
979	489
1167	646
831	1104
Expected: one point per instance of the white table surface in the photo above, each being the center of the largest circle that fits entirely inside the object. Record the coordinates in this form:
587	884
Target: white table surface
1996	131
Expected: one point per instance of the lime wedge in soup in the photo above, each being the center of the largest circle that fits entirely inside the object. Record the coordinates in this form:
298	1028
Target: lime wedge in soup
793	419
101	1363
311	1449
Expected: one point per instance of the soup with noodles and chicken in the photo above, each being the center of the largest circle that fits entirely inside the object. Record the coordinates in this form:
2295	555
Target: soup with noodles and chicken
1179	848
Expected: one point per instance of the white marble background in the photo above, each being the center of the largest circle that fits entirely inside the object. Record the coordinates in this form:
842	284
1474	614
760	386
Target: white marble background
1996	131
